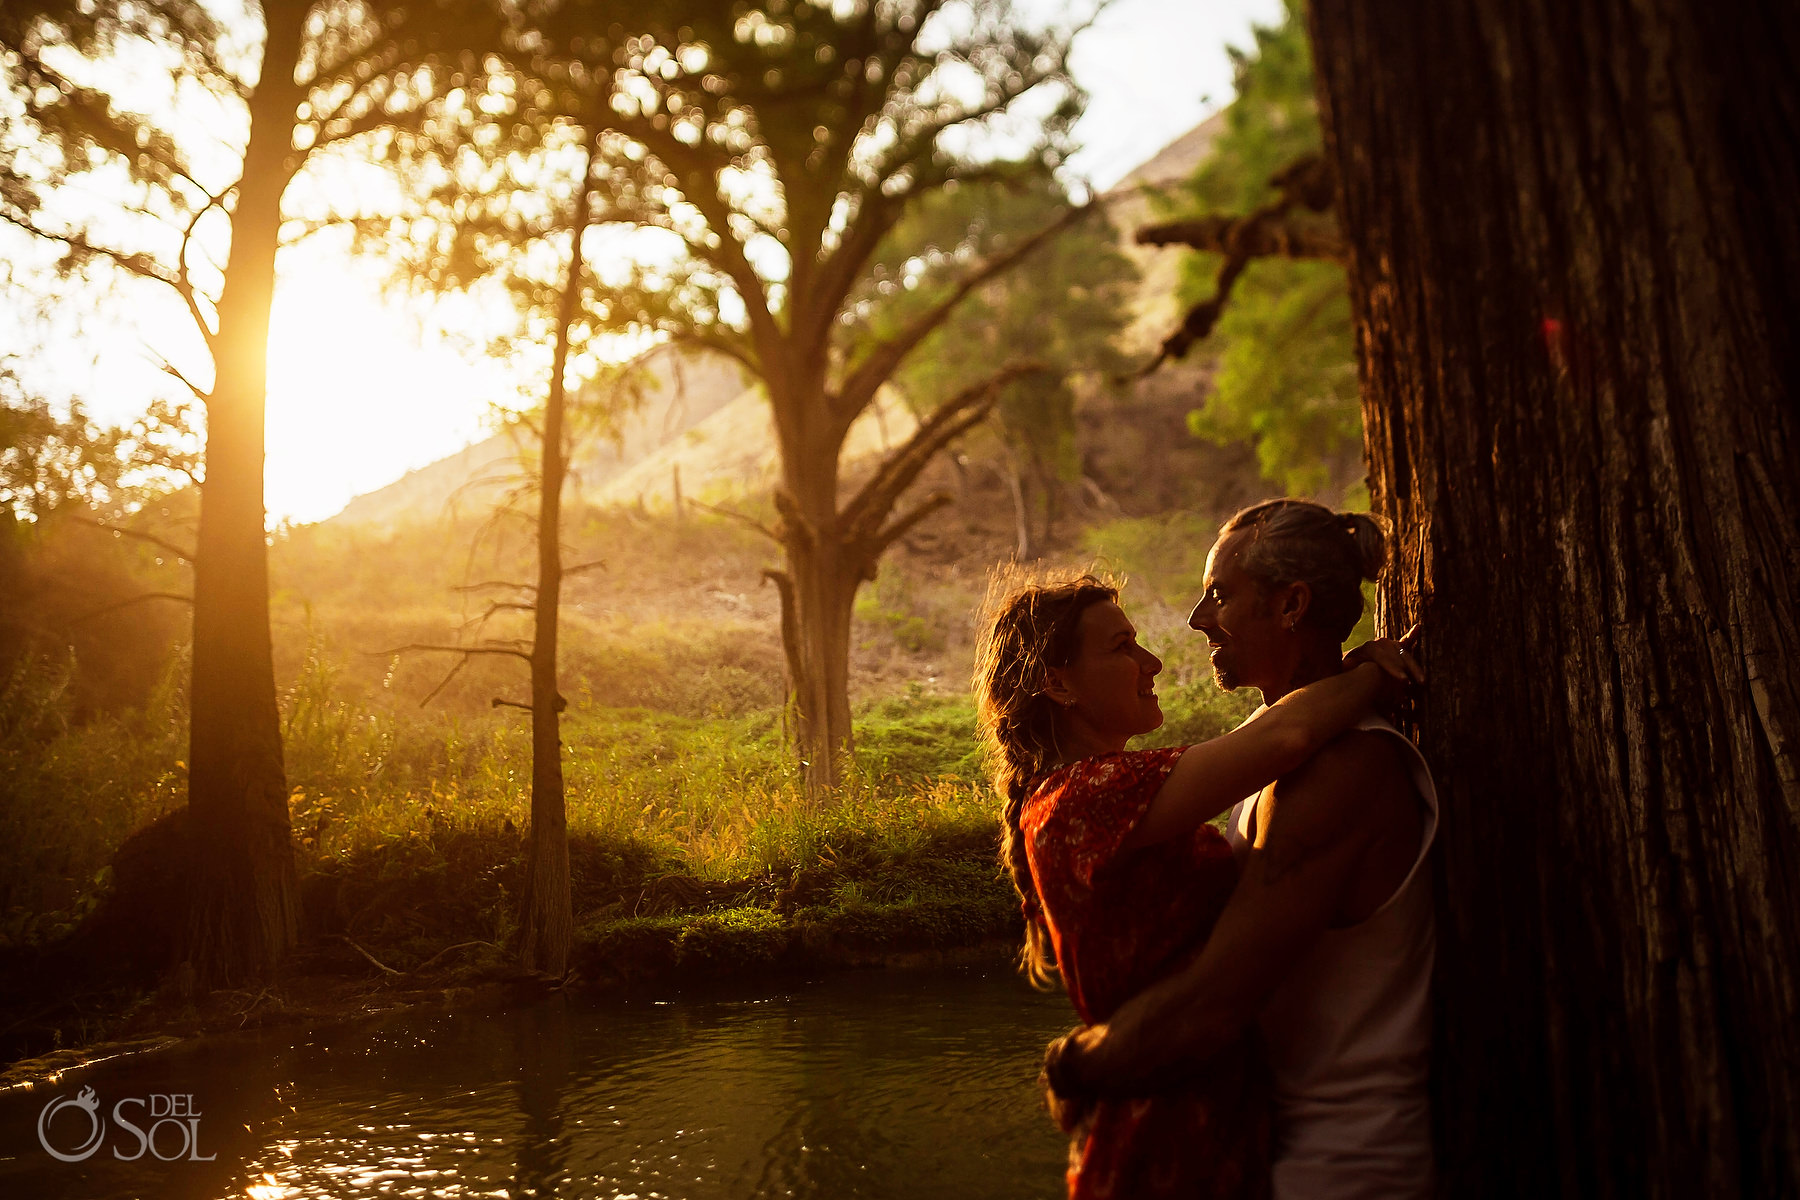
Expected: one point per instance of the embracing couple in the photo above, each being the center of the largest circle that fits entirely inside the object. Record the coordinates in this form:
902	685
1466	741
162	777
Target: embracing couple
1256	1002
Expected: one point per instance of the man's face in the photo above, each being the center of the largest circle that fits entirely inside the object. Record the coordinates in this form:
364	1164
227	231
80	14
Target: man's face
1240	624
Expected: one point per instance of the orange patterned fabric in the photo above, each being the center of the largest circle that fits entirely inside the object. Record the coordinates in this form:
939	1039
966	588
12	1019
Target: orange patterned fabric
1120	920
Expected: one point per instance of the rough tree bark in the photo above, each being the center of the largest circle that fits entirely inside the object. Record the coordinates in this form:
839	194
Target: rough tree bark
547	916
1573	261
245	907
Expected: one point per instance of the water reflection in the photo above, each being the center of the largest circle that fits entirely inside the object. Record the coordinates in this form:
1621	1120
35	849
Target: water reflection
880	1084
543	1044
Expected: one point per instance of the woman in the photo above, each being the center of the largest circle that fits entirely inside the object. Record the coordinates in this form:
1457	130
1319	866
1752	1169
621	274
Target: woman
1118	873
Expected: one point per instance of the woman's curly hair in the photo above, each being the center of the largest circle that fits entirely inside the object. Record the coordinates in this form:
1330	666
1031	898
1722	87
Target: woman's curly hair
1031	626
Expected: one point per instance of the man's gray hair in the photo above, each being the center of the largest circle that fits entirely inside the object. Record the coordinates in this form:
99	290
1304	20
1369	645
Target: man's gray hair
1297	541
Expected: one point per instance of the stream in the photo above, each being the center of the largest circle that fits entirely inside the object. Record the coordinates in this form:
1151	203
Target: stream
862	1084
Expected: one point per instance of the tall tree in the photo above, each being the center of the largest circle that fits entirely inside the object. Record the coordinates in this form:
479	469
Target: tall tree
779	144
1573	264
326	72
547	920
491	194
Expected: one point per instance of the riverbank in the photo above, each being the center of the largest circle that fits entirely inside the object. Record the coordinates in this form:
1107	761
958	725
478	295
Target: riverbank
693	857
425	919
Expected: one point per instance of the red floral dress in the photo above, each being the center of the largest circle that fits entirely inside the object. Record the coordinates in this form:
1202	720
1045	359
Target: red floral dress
1121	919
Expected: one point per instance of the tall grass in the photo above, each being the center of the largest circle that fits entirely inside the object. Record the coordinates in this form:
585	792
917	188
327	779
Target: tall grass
718	797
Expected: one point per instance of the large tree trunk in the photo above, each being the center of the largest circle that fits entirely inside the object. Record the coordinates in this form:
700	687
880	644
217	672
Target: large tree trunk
1574	261
547	917
245	906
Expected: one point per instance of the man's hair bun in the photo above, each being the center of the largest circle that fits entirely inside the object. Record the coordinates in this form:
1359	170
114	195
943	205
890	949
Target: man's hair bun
1370	536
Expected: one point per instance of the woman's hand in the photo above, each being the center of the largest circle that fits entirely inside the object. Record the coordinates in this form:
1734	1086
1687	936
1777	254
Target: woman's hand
1070	1102
1397	659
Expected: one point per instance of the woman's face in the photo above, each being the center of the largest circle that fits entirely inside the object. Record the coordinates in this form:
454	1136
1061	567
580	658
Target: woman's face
1108	691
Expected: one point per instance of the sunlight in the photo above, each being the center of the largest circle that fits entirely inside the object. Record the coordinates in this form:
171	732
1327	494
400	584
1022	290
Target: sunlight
361	390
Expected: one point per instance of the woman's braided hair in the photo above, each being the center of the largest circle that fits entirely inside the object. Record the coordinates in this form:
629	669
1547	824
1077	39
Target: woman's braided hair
1034	626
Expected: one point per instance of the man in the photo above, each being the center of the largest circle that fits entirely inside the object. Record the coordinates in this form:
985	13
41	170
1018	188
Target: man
1327	942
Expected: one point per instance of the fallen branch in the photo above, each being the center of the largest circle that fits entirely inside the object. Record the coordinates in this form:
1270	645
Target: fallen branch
447	949
383	967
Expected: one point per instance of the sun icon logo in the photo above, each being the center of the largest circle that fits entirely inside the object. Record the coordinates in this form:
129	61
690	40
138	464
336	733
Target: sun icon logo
89	1104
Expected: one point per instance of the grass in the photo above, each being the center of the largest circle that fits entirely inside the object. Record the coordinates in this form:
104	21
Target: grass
691	838
408	821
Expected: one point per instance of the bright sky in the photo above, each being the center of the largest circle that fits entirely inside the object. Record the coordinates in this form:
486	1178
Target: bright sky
361	390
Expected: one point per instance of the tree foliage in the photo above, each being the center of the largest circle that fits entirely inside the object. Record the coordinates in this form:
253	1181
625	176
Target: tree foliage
52	457
1286	376
1062	308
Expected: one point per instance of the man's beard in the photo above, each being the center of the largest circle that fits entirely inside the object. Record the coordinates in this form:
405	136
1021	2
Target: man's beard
1226	679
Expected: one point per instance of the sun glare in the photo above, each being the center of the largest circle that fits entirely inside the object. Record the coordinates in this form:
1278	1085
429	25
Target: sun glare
361	391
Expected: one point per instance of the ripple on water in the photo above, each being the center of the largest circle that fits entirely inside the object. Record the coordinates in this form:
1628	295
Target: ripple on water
877	1084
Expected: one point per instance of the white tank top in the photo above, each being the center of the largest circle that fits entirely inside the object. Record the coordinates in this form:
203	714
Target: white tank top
1349	1039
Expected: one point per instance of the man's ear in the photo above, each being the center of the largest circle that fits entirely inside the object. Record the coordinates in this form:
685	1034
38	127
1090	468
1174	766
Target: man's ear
1291	603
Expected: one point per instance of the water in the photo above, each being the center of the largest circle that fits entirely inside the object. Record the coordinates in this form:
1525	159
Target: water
871	1084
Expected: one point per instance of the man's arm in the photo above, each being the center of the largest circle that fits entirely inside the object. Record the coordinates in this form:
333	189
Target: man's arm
1312	834
1214	775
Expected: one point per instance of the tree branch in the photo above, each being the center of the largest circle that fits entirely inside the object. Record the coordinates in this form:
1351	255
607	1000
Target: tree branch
880	363
180	552
1304	183
140	265
488	584
174	372
494	608
383	967
692	168
1255	236
864	515
562	703
127	603
185	286
900	526
734	515
423	648
790	623
445	681
719	345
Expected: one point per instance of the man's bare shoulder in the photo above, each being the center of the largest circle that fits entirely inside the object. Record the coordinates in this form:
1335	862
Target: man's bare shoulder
1357	784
